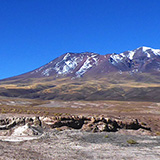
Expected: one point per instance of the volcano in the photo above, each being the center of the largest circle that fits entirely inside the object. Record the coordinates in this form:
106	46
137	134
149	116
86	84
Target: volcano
75	65
131	75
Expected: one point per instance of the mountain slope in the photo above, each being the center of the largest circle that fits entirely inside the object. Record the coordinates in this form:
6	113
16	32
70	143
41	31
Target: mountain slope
143	59
114	87
75	65
130	76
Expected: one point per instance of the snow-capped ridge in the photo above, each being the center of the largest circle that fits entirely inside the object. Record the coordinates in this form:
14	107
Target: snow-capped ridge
87	60
116	58
142	59
146	49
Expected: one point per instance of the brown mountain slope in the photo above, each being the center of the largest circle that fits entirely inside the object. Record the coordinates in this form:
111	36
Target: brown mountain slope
131	75
140	87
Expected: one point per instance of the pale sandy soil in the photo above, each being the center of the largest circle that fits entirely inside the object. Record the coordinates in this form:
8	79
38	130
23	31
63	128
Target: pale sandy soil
75	144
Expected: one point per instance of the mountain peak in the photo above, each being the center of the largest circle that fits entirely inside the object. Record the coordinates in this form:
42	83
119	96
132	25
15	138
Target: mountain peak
90	64
147	49
144	48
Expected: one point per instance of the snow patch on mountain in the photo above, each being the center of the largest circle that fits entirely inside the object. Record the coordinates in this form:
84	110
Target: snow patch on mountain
89	63
46	72
147	49
95	58
78	64
116	58
67	64
156	51
84	68
130	55
66	56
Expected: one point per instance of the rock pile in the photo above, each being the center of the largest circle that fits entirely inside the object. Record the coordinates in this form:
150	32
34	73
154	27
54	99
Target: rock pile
94	124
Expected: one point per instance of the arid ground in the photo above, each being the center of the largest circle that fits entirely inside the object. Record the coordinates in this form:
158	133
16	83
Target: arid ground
60	144
75	144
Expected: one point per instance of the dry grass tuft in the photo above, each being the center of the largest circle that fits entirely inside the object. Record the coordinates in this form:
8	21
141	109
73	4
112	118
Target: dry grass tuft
131	141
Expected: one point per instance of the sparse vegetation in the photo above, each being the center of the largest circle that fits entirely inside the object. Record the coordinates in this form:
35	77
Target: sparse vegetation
131	141
106	136
62	108
92	89
158	133
59	129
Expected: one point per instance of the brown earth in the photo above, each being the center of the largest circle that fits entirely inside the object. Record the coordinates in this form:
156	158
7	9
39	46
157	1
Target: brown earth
125	87
65	143
71	144
145	112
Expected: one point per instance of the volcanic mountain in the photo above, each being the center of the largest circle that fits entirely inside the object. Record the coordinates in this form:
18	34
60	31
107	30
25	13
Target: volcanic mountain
131	75
143	59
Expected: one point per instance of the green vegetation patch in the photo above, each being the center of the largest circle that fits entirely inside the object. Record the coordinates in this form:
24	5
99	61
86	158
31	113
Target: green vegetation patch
131	141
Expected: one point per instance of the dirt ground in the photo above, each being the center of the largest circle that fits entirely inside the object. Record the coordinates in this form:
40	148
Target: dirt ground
145	112
75	144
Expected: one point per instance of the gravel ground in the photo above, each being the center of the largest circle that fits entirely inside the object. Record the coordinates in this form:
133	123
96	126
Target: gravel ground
79	145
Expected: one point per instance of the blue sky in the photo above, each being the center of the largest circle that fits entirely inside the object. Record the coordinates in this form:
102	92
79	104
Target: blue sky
34	32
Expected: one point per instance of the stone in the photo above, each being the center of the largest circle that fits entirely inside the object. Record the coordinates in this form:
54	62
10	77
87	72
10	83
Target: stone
101	126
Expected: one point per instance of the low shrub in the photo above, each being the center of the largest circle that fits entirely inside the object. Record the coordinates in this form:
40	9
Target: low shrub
131	141
106	136
158	133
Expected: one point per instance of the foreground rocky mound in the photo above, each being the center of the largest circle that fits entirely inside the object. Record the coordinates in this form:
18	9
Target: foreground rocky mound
26	128
94	124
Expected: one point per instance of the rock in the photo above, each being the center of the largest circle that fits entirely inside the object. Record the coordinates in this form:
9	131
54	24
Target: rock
29	120
94	124
76	124
108	120
87	126
93	119
37	121
20	121
110	128
8	126
63	128
101	126
95	129
133	124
